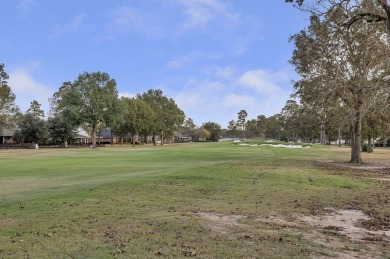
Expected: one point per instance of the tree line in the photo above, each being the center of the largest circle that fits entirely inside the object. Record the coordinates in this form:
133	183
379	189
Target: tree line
343	60
90	102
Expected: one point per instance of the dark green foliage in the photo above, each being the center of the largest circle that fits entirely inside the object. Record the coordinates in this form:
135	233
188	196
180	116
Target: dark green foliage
35	109
214	129
168	115
32	130
139	117
60	131
90	100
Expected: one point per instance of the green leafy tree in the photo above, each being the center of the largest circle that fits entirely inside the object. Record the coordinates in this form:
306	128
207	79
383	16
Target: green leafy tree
276	127
168	116
241	121
32	129
215	130
204	133
262	125
355	11
189	128
60	131
290	113
115	116
252	130
232	128
139	117
8	110
344	66
119	128
88	100
35	110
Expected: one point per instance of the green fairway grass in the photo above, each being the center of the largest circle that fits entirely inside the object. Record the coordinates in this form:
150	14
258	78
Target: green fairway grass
146	202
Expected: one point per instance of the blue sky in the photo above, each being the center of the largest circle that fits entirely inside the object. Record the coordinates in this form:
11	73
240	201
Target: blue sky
213	57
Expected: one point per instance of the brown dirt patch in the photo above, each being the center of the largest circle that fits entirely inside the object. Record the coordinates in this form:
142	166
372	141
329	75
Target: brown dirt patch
344	222
338	233
219	223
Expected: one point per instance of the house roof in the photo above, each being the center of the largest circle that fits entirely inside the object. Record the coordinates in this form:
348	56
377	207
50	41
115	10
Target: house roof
106	133
6	132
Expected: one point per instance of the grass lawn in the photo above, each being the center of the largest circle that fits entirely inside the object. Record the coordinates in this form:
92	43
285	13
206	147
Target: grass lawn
204	200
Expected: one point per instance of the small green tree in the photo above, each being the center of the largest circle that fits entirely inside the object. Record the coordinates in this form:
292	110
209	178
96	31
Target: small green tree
215	130
8	110
32	130
251	128
35	110
261	123
59	130
232	128
168	115
241	121
139	117
204	133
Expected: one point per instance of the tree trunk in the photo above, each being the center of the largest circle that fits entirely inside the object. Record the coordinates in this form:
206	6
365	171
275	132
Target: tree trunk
133	141
339	137
112	137
154	139
93	136
356	135
322	135
162	138
369	145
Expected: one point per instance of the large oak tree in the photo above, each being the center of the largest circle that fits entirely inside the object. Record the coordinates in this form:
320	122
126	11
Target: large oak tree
168	116
344	67
371	11
139	117
88	100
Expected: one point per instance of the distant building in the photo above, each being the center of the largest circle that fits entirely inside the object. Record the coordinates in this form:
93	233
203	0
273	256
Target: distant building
6	136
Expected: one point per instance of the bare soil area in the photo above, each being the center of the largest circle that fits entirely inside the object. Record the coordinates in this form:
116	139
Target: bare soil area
337	233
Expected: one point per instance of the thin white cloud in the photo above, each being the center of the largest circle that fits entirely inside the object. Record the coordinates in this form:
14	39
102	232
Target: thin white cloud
263	82
200	13
226	72
190	60
200	94
76	24
259	92
27	89
25	6
233	100
126	94
180	62
123	19
127	19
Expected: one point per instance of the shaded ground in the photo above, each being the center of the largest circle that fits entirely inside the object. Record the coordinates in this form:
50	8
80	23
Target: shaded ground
373	165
